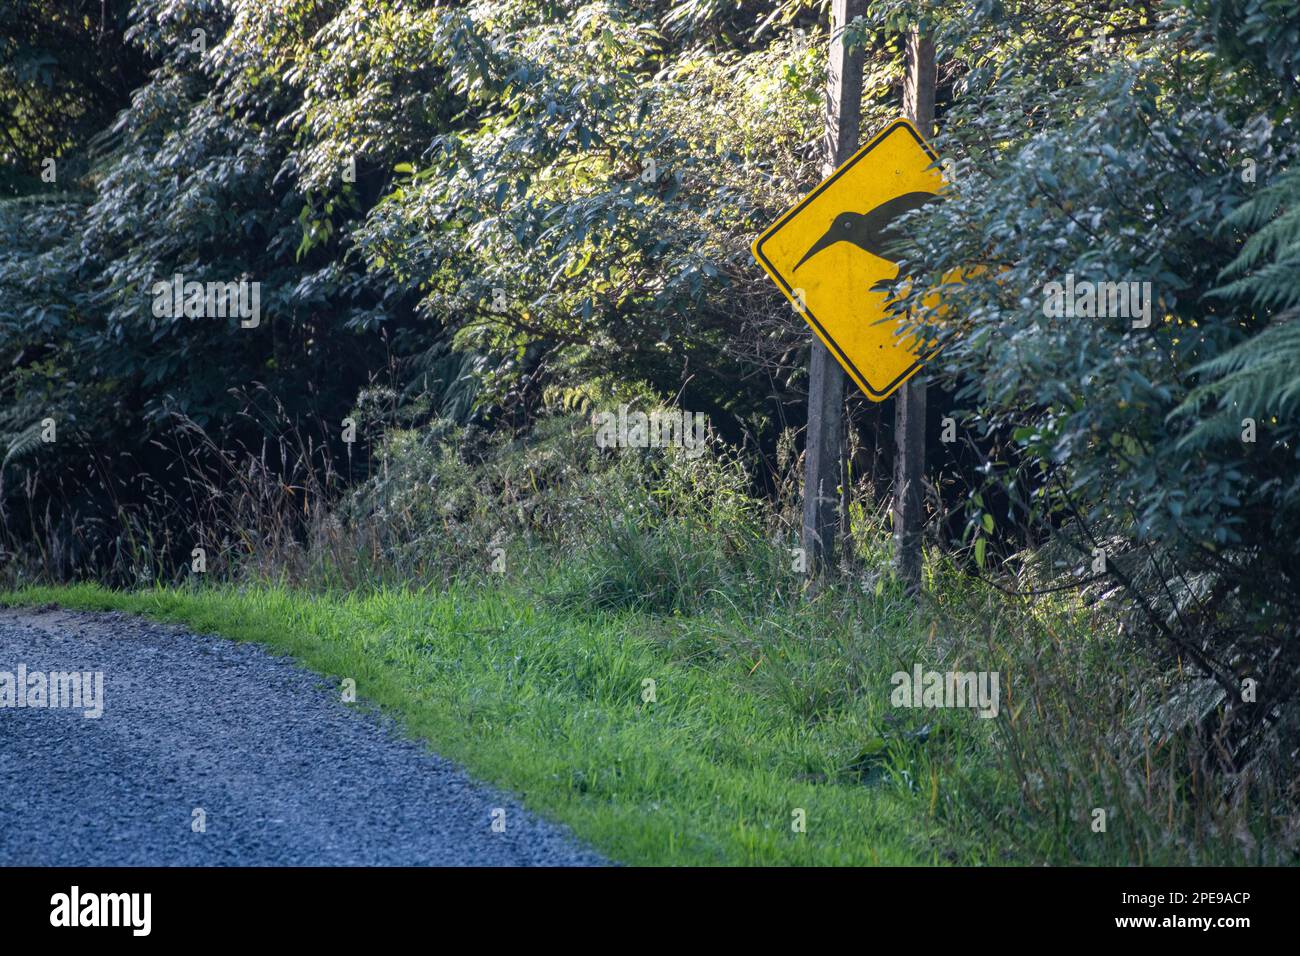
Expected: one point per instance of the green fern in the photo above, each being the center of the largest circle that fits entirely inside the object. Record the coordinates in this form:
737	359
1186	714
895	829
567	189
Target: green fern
448	379
22	444
1268	267
1259	378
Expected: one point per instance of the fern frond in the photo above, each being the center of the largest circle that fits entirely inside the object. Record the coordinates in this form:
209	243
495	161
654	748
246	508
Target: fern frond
22	444
1260	378
1268	266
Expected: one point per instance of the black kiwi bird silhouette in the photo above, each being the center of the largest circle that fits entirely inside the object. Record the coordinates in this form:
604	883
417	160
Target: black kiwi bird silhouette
870	231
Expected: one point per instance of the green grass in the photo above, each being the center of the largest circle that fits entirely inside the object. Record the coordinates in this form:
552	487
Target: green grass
549	703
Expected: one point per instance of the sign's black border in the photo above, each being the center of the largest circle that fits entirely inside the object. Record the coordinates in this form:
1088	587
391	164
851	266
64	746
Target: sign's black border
878	394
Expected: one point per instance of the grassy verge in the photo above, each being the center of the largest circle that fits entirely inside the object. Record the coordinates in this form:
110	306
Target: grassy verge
550	703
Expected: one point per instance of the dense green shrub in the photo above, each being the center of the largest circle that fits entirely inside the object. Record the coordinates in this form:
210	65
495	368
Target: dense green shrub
1158	153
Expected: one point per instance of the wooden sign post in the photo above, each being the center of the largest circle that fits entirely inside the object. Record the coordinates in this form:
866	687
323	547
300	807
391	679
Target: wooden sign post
823	452
909	418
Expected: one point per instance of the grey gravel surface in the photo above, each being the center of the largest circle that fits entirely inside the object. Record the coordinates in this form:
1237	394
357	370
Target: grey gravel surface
284	771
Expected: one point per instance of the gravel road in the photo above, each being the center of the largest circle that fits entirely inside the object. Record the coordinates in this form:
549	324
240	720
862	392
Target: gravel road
283	772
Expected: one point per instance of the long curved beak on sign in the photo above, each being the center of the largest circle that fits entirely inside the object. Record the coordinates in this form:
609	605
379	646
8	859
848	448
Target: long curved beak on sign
827	240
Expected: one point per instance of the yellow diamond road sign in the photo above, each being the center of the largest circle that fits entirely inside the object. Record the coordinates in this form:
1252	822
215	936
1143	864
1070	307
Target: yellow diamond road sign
828	252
